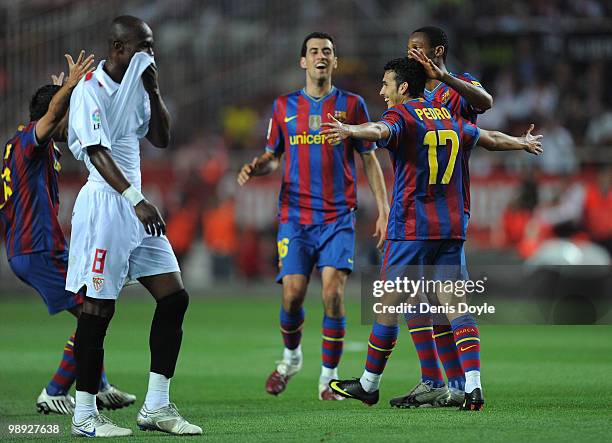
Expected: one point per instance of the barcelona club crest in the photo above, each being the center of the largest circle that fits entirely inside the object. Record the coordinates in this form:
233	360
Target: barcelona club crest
445	97
98	282
340	116
314	122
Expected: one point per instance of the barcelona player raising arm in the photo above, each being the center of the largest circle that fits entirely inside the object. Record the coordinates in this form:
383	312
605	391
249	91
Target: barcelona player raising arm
35	244
464	96
427	224
316	205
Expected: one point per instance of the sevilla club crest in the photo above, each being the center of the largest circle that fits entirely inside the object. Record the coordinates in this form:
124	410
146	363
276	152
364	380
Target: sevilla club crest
98	282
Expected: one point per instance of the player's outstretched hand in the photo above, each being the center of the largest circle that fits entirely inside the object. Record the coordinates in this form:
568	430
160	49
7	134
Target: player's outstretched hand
335	131
79	69
247	171
150	217
431	69
149	79
57	80
533	145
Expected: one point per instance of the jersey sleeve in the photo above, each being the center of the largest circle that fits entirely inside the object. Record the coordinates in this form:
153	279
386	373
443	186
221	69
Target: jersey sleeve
362	116
393	120
28	140
88	124
275	142
466	108
470	133
144	117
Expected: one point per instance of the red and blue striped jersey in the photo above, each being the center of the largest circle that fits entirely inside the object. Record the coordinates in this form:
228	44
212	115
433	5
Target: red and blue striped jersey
427	146
458	106
29	201
319	179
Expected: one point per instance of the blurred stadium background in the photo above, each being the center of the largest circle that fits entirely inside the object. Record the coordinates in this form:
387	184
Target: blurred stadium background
222	62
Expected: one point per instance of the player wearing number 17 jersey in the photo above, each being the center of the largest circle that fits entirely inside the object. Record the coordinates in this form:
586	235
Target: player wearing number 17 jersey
464	96
427	223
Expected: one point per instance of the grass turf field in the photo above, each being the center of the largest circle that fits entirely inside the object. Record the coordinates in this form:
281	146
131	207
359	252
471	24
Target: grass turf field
542	383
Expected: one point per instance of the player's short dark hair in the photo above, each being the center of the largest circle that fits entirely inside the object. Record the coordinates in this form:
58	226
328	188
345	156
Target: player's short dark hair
317	34
436	37
40	101
399	66
410	71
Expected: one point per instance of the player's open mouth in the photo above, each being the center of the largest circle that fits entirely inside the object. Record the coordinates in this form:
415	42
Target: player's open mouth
321	66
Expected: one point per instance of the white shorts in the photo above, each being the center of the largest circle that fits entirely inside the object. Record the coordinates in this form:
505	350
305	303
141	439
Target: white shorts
109	246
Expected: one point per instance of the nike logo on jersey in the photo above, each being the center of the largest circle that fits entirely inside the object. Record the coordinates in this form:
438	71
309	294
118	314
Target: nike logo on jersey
288	119
465	349
350	260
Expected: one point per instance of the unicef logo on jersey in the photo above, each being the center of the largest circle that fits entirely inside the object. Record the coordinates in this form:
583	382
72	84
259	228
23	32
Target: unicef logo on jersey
314	124
96	120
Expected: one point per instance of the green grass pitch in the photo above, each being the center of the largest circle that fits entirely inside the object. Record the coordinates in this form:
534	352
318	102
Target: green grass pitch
542	383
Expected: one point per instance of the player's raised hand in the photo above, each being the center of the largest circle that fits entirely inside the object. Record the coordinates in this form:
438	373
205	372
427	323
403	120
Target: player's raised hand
246	172
58	80
335	131
77	70
533	145
149	79
431	69
150	217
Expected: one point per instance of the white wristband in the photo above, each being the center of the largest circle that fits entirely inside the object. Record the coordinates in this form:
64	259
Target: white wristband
133	195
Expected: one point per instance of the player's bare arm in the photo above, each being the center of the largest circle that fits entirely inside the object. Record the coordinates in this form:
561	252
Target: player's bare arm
159	125
476	96
49	122
377	185
337	131
146	212
498	141
61	133
262	165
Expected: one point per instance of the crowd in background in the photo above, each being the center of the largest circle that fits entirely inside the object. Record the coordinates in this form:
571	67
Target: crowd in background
222	63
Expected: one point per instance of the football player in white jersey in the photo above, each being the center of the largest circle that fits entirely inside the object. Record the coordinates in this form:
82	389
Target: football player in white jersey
117	235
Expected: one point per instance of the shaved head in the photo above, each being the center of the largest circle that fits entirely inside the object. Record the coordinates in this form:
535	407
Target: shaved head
127	36
127	28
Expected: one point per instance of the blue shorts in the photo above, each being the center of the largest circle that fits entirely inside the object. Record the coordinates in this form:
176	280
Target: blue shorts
301	247
445	257
46	272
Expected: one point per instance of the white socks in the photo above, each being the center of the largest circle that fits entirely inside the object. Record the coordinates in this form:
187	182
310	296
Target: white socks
85	406
472	381
369	381
328	374
293	356
158	394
